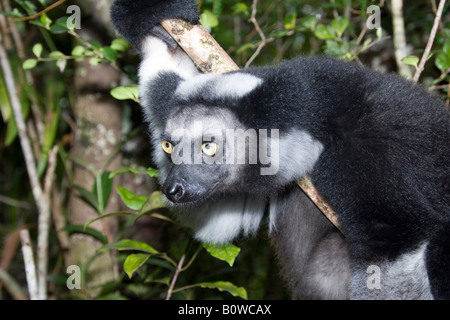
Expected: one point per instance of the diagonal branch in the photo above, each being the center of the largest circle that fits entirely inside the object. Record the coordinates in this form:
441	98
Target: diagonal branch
263	42
37	15
427	51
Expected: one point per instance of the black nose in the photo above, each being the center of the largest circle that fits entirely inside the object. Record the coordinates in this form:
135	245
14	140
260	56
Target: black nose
175	192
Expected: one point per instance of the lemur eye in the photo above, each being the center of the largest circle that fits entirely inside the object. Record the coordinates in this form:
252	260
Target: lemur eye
167	147
210	148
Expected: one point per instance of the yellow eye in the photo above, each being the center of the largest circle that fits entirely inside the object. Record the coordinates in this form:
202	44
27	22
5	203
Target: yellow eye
210	148
167	147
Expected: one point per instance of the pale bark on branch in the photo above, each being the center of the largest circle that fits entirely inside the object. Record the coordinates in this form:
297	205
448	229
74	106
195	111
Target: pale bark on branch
41	196
430	42
401	49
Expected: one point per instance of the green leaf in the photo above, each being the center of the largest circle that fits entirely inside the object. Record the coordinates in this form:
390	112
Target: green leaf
112	296
95	44
89	231
123	170
60	26
339	25
5	104
442	61
209	19
11	132
131	200
134	262
411	61
154	201
102	189
247	46
446	47
51	129
379	33
227	253
78	51
290	20
153	173
37	50
324	32
128	92
127	244
61	64
46	21
279	33
309	22
109	54
56	55
50	132
120	45
89	197
226	286
110	214
30	64
95	61
240	7
366	43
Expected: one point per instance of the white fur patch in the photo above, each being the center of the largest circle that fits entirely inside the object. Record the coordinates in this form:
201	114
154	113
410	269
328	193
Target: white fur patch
233	85
273	212
157	57
298	153
222	220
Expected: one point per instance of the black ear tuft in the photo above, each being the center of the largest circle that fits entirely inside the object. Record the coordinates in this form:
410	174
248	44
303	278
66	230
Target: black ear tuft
135	19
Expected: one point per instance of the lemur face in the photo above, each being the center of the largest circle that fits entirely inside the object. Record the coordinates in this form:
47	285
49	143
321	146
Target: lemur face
202	158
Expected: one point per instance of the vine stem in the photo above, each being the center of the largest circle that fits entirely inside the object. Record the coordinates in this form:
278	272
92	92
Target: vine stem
175	276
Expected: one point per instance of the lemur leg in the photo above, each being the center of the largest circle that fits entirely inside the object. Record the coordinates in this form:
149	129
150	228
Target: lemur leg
312	252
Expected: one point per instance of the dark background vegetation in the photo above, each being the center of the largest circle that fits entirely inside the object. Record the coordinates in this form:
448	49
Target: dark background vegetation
89	153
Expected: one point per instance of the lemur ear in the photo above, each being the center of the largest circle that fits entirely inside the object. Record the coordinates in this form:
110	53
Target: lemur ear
135	19
156	97
234	85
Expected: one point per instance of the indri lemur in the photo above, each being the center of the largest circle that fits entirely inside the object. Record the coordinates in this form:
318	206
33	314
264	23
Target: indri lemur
376	146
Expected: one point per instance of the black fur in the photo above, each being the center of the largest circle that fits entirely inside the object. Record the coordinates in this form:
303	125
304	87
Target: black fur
438	262
134	19
385	163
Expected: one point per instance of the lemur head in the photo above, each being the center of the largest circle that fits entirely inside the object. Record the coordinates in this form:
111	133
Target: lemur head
204	149
211	152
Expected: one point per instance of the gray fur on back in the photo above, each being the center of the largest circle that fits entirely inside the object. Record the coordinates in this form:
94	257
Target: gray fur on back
312	252
405	278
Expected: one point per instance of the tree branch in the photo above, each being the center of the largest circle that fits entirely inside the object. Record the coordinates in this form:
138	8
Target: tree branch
427	51
201	47
175	277
37	15
263	42
44	225
398	23
30	267
41	198
20	121
12	286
